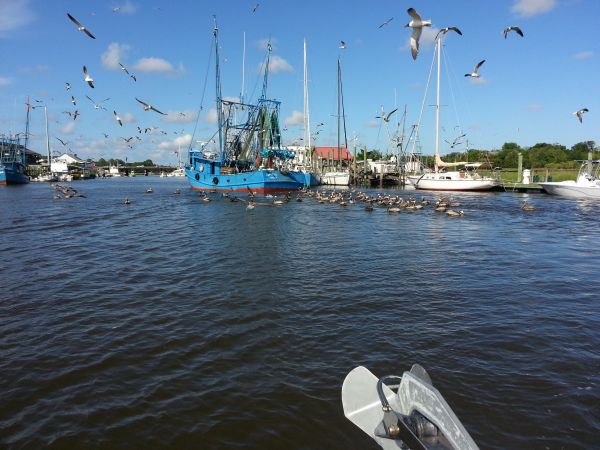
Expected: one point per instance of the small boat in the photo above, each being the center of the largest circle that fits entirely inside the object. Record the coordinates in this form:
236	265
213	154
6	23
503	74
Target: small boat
587	184
416	416
249	153
13	158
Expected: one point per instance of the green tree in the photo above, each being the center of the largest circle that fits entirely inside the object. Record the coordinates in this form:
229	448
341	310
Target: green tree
581	149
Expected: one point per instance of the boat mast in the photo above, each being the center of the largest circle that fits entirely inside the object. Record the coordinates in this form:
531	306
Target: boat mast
266	77
243	69
218	90
48	140
307	137
27	125
437	103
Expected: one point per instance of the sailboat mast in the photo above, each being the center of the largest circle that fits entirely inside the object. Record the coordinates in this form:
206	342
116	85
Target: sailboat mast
437	104
339	80
27	124
218	90
48	140
307	142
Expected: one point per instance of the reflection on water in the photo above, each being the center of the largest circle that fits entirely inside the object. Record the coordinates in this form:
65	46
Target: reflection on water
175	323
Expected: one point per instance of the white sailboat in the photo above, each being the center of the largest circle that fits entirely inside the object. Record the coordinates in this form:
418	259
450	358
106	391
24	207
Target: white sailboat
442	179
340	176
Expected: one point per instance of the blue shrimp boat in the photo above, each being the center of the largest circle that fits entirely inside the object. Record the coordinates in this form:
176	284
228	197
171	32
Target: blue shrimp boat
249	156
13	157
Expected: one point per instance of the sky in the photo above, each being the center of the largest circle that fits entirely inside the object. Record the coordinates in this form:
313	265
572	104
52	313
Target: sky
527	93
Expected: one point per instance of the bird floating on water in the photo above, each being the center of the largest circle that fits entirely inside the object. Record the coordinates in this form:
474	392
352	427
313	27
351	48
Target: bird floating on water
526	206
580	113
475	74
417	25
80	27
148	107
87	77
515	29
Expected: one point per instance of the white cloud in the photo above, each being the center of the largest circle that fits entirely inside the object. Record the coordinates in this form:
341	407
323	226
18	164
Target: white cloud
158	65
178	142
128	118
582	56
68	128
278	64
14	14
529	8
211	116
297	118
114	54
125	8
5	81
534	106
185	116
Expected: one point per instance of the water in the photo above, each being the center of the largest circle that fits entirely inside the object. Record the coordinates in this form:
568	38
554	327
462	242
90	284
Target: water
174	323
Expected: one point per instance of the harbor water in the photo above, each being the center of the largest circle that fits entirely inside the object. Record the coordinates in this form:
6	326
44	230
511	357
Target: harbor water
177	323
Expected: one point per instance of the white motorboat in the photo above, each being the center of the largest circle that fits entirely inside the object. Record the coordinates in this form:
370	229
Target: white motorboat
587	184
442	179
177	173
415	417
337	178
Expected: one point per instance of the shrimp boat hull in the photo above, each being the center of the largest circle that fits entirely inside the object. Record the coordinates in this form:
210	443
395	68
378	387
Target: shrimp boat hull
447	182
13	173
202	176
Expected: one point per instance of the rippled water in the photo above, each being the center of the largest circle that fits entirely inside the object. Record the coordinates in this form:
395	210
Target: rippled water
175	323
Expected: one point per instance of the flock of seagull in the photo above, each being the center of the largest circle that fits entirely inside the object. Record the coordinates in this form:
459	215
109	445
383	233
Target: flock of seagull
87	77
417	24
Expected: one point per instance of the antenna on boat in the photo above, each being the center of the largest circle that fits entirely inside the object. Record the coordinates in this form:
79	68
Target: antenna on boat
266	77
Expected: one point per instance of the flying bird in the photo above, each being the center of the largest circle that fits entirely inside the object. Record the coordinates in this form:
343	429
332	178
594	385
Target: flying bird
124	69
73	100
515	29
67	86
133	76
74	115
342	44
386	22
255	7
127	139
580	113
475	74
117	118
98	105
417	25
386	117
105	135
61	141
88	77
443	31
80	27
148	107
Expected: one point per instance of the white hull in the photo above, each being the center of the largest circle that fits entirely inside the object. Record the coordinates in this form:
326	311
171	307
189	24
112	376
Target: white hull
452	181
572	189
336	178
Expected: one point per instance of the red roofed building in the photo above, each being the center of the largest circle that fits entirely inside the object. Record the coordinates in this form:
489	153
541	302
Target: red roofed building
335	153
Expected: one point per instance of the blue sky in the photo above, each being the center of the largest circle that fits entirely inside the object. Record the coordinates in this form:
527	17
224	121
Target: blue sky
528	91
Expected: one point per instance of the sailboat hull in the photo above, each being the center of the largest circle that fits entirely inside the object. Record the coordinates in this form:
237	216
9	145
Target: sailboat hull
263	181
447	182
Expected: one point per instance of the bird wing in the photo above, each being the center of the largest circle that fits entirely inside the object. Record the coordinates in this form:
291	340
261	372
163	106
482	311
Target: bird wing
105	100
86	31
74	20
390	113
154	109
143	103
413	13
479	64
455	29
505	32
85	71
518	31
90	100
414	42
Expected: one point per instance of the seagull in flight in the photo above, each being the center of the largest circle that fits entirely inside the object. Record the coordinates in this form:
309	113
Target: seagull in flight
124	69
255	7
417	25
443	31
67	86
118	118
61	141
386	22
515	29
148	107
73	100
342	44
80	27
386	117
580	113
98	105
475	74
74	115
87	77
133	77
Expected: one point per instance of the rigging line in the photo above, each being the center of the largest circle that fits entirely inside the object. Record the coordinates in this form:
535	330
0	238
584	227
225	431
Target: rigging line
447	66
203	94
416	138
